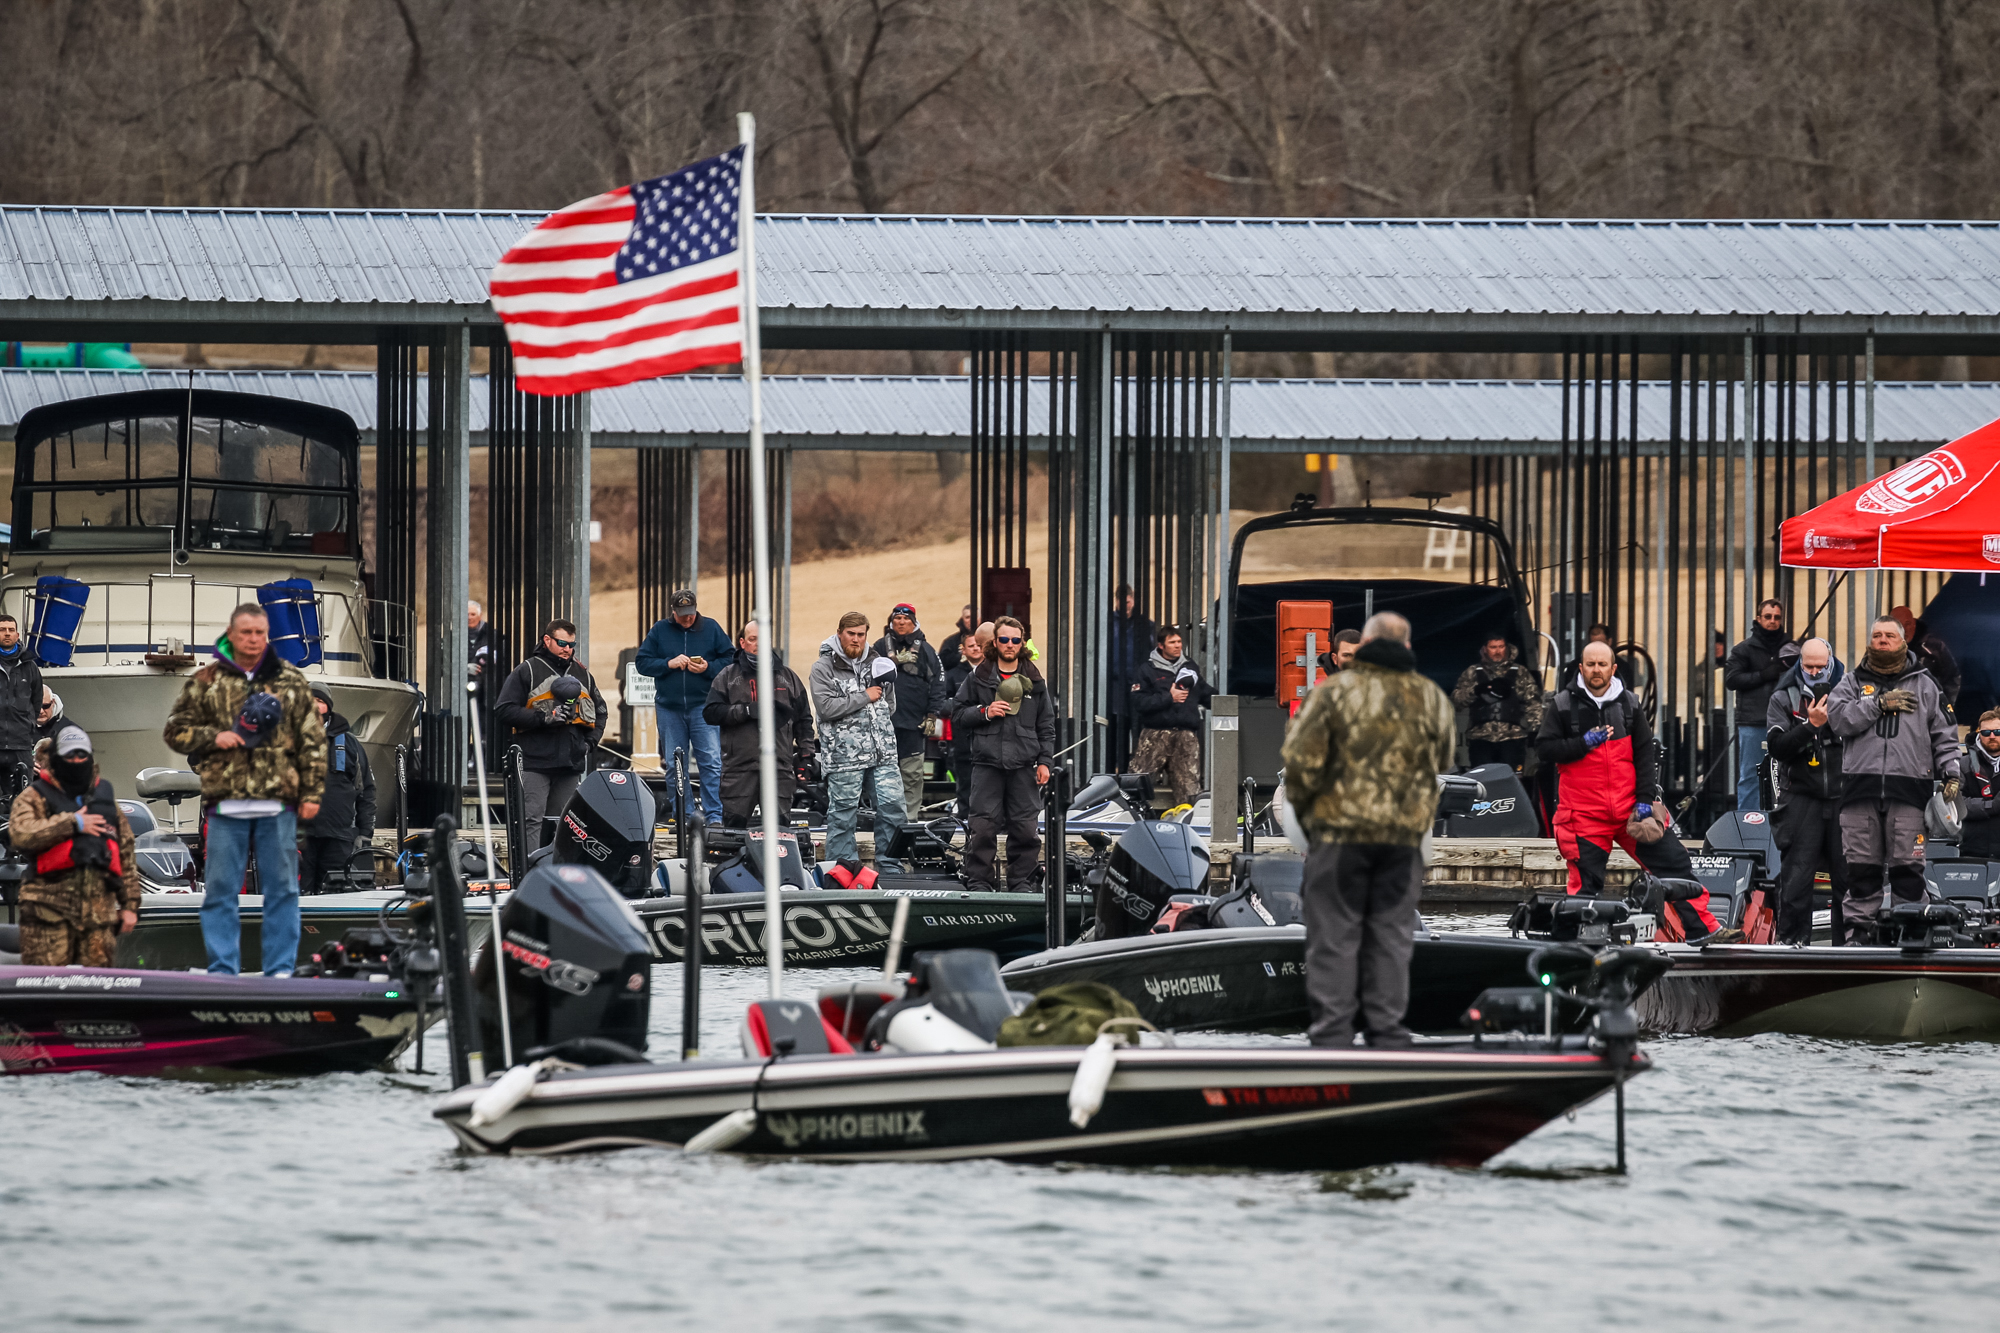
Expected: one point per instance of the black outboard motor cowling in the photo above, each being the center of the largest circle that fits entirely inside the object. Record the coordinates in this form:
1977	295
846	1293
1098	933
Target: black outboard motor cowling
577	964
1151	862
608	826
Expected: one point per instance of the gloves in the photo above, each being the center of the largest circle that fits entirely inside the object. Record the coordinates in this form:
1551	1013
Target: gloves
1497	688
1595	737
1899	701
1643	810
561	713
737	714
1951	789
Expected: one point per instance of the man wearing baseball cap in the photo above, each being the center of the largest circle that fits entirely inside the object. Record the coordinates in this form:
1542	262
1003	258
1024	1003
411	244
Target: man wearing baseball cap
684	654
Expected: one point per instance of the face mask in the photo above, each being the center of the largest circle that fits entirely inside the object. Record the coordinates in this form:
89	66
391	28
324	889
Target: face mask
73	775
1813	673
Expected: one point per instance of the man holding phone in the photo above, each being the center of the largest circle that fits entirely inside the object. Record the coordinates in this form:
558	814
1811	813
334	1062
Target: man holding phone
684	653
1005	723
1807	756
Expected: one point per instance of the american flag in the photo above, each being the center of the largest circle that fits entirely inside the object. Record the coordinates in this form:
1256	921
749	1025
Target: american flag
630	284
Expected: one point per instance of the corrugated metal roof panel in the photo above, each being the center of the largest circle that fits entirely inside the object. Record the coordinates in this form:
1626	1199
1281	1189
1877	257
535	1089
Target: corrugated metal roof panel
909	411
1005	264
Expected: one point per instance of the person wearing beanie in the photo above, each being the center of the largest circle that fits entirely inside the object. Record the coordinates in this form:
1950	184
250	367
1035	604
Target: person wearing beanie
920	697
82	889
345	827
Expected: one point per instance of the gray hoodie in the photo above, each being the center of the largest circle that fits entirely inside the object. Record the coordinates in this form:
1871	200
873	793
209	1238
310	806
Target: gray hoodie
1891	757
853	733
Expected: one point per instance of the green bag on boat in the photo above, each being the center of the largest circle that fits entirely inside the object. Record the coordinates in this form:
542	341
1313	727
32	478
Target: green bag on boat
1067	1015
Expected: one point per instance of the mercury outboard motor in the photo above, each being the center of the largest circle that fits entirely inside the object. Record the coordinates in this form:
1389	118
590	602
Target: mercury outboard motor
578	967
608	826
1151	862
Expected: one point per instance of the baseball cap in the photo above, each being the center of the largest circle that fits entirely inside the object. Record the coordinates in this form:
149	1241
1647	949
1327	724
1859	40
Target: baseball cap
903	609
72	739
682	600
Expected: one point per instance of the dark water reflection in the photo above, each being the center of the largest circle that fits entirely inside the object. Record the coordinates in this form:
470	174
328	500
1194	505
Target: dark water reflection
1777	1182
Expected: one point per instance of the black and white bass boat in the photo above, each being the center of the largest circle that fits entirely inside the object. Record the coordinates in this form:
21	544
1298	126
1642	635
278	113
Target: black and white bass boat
930	1084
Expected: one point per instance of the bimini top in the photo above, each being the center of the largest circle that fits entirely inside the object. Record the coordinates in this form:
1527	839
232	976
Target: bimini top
186	470
883	281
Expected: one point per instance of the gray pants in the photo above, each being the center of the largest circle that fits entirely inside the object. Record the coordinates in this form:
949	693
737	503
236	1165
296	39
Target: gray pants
545	794
1872	840
912	766
1360	914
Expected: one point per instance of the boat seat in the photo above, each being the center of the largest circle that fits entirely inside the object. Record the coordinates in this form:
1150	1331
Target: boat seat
789	1027
168	784
10	940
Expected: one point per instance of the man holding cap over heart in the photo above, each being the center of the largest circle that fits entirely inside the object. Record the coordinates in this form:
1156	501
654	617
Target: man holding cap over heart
853	689
1005	724
684	654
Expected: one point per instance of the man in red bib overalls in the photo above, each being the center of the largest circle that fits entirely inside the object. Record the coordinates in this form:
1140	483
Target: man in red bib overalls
1596	735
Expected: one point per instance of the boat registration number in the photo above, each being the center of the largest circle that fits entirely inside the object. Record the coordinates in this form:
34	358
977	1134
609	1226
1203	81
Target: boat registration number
1309	1095
263	1016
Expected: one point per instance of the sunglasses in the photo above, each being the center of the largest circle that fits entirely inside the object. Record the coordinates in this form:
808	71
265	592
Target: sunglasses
1000	638
1989	731
562	643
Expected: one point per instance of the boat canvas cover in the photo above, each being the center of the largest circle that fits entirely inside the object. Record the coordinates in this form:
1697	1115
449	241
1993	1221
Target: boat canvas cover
1939	511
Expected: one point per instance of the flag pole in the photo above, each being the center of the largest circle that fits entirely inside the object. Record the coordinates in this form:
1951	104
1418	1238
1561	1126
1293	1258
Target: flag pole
760	563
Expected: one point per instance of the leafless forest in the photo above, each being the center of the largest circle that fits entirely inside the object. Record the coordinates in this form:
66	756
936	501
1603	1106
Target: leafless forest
1703	108
1639	108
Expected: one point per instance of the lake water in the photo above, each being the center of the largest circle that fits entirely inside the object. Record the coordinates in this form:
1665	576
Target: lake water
1776	1183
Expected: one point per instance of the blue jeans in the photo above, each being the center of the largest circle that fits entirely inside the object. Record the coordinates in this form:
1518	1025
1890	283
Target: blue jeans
229	840
684	730
1750	746
843	802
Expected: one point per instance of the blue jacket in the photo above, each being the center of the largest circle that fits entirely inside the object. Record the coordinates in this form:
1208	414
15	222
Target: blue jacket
666	641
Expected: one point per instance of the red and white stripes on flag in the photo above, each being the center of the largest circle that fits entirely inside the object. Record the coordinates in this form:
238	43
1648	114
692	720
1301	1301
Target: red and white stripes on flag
589	299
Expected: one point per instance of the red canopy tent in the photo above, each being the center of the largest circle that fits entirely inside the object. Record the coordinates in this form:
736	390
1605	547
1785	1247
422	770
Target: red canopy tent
1937	512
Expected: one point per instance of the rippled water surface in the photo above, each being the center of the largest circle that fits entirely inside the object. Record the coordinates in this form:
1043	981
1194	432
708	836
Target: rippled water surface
1776	1182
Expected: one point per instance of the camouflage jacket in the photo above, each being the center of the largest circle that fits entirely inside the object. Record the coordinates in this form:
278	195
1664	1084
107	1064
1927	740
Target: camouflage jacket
289	767
853	733
85	896
1504	699
1363	755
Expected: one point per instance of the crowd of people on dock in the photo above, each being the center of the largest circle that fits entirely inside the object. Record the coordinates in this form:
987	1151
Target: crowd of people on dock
1852	752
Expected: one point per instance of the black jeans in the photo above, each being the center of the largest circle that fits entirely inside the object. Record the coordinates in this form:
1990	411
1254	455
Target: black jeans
1003	800
1361	917
1808	832
318	856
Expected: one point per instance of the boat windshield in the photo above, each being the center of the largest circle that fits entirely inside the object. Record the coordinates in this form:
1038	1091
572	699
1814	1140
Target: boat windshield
248	486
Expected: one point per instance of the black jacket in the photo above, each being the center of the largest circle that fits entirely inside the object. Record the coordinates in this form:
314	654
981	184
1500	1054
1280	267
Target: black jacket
952	652
1571	712
1933	653
919	684
732	706
1131	642
20	701
1022	739
347	809
549	747
1981	794
1811	755
1752	670
1154	705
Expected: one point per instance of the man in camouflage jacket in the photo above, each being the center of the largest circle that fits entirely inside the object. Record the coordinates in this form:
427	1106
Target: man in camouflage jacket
1504	702
72	916
856	706
254	787
1361	766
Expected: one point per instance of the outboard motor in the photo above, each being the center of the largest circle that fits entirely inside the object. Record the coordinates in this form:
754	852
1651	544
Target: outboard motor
1151	862
578	967
1500	809
608	826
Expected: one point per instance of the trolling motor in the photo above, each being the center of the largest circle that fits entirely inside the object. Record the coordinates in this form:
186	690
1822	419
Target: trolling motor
1605	982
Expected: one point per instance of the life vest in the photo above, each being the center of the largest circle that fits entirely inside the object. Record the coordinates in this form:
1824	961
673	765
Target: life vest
81	850
1511	710
540	676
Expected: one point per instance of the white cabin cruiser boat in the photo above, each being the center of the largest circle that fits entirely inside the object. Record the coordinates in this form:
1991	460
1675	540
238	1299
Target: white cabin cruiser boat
142	519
